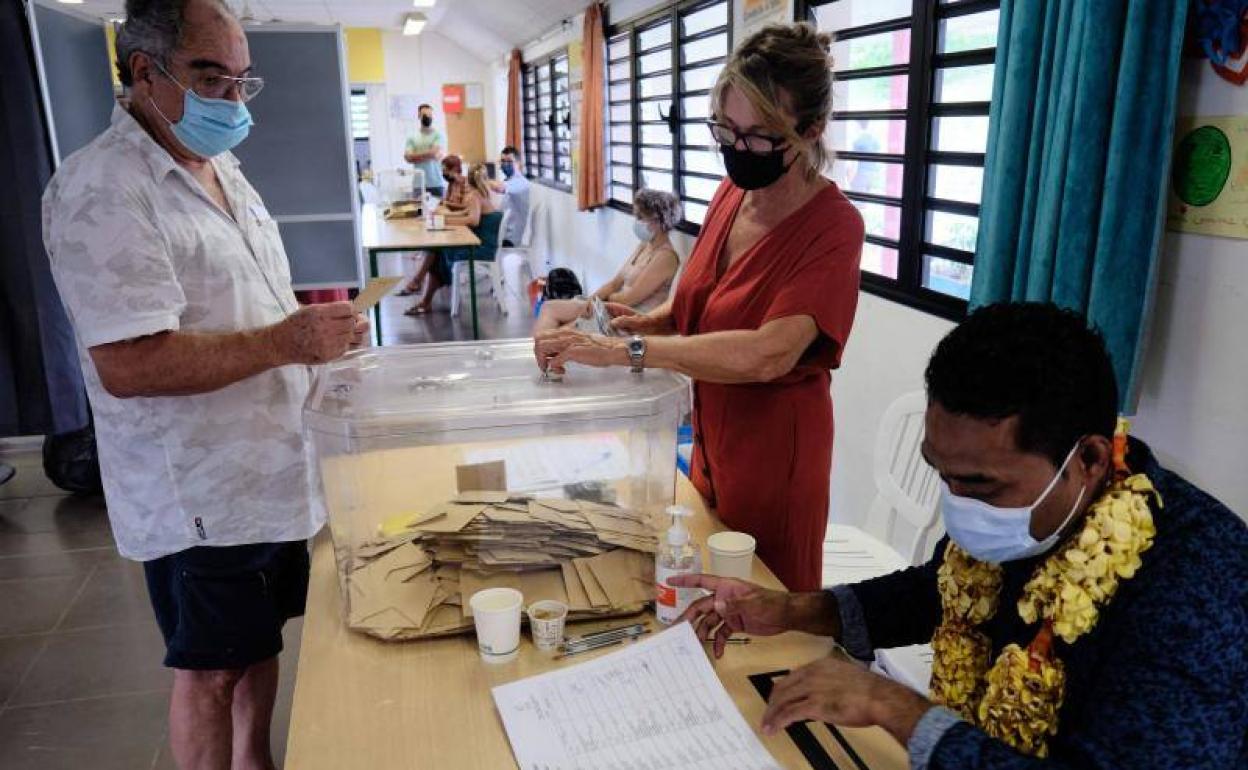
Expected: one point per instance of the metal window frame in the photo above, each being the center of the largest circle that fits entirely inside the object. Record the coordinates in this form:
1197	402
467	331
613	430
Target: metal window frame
671	13
544	69
916	201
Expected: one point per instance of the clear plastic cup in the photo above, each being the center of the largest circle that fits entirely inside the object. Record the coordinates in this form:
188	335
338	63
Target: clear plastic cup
546	621
496	614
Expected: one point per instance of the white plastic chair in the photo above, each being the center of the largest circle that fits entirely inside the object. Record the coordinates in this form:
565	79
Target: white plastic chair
902	518
901	527
460	275
520	258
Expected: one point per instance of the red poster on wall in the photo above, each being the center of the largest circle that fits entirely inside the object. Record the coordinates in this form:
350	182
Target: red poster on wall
452	99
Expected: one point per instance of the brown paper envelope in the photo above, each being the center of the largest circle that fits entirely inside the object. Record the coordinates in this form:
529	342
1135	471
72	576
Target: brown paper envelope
540	585
622	574
443	619
397	525
372	293
376	548
649	545
578	599
503	515
484	497
597	596
491	476
415	598
604	523
456	518
559	504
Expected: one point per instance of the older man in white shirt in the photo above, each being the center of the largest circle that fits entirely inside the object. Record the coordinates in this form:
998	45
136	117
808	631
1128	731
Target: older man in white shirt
196	360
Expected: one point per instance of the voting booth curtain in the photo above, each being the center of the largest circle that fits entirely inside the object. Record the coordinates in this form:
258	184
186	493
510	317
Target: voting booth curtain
41	388
1078	154
591	189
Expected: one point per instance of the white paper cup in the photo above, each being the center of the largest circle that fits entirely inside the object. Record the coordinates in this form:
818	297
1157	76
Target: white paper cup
439	222
732	554
546	619
496	614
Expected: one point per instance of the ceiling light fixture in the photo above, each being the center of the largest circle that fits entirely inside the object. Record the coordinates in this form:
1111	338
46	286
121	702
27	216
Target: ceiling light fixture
424	3
70	2
414	23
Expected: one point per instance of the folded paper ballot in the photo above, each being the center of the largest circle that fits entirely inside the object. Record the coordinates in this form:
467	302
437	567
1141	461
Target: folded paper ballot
412	580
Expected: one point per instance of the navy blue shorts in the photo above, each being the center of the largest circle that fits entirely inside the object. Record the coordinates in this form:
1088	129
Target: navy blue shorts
223	608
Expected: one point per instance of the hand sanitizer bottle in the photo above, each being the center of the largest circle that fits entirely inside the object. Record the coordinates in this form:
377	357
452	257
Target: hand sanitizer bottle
676	556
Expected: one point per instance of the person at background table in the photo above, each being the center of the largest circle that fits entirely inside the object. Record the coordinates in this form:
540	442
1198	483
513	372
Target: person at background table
424	151
196	359
453	203
1020	425
764	307
644	282
514	188
435	269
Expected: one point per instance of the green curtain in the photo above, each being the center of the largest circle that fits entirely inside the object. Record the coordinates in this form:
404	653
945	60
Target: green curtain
1079	139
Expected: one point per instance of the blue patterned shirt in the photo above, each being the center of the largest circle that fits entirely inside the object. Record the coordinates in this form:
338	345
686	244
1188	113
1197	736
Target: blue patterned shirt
1160	681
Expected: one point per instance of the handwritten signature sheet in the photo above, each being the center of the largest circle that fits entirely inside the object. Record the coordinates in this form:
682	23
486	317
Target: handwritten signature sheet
654	705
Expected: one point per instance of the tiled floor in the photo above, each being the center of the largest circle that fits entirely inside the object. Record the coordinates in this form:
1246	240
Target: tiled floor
439	326
81	680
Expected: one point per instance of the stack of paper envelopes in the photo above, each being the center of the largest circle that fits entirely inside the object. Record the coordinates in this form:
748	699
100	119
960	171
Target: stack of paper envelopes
414	579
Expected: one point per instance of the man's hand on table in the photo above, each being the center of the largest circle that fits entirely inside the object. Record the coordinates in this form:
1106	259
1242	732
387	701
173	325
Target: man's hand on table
316	334
841	691
736	605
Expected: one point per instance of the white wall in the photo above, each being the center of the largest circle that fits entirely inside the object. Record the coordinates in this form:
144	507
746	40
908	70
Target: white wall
1192	404
419	65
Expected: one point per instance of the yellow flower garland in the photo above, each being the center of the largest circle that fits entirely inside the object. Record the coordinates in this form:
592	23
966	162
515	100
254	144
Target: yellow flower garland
1018	698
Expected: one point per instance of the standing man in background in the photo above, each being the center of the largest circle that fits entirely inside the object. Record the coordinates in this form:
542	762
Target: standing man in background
515	189
424	151
196	359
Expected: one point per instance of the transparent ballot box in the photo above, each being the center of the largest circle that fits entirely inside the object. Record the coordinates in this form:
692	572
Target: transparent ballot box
451	467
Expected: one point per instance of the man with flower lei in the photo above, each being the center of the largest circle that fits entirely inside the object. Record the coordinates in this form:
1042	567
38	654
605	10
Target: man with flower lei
1089	608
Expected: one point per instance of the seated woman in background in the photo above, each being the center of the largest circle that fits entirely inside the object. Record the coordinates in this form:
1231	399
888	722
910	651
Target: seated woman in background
453	203
645	280
476	203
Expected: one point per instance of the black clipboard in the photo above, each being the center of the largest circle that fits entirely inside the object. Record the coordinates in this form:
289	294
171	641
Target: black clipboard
800	732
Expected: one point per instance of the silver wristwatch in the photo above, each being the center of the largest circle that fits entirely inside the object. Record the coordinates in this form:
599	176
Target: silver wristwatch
637	353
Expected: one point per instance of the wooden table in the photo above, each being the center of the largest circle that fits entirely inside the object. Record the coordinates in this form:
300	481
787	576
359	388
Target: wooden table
379	235
364	703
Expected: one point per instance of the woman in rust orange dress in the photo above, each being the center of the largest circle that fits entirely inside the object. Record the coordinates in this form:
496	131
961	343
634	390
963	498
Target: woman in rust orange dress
764	308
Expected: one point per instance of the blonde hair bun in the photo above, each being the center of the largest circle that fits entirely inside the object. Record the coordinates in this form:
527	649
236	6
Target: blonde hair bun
784	68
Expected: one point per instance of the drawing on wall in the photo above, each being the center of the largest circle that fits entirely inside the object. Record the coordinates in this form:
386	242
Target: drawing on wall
1209	177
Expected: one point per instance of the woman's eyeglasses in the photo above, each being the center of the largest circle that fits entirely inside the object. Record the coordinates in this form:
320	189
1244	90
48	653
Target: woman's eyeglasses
757	143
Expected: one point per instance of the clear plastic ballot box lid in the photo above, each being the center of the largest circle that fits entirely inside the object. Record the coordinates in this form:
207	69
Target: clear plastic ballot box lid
395	430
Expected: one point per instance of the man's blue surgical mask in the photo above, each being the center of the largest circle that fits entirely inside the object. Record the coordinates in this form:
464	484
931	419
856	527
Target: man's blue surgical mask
642	231
997	535
508	168
208	127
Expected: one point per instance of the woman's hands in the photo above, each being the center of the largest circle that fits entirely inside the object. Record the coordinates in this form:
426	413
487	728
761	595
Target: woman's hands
554	348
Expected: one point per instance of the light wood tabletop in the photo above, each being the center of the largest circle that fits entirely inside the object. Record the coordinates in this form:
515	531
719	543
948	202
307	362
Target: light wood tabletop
364	703
380	234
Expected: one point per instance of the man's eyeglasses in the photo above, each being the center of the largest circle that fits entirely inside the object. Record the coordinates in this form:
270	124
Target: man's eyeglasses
758	143
215	86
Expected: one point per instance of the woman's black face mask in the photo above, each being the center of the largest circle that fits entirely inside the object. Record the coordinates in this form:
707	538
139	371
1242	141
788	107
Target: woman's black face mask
751	170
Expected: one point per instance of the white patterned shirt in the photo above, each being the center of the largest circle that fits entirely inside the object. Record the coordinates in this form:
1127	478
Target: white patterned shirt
138	247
